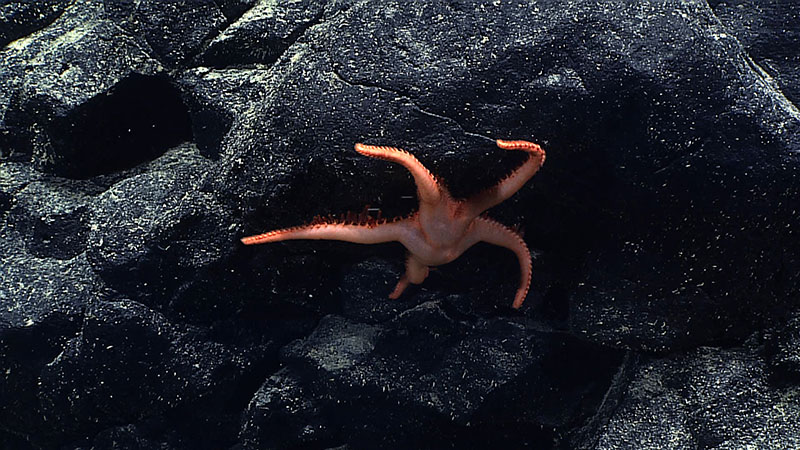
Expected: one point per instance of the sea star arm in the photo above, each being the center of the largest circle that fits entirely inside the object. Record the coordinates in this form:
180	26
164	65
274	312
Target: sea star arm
511	183
484	229
336	231
416	272
427	188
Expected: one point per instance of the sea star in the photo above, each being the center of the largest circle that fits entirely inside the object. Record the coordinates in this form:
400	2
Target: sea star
441	230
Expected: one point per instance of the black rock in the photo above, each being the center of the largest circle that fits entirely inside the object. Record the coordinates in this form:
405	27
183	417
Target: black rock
437	380
140	140
785	358
709	398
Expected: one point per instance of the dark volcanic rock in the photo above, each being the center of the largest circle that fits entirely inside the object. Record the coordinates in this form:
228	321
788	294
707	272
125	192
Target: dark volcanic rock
59	102
433	379
52	216
216	98
153	232
124	436
42	303
786	360
129	362
19	18
263	34
174	30
769	33
139	140
708	398
283	414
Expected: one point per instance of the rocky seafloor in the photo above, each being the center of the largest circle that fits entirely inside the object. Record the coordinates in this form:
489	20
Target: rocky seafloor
140	140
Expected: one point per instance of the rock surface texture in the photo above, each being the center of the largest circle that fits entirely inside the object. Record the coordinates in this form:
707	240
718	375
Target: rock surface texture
140	140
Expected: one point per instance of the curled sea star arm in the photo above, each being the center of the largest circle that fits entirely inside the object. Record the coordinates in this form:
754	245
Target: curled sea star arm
484	229
416	272
427	187
511	183
356	233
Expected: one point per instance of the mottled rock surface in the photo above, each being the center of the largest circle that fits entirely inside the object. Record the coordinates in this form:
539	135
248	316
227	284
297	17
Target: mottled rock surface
140	140
706	398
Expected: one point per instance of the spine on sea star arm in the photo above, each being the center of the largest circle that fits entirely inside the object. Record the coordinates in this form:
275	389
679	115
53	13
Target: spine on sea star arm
334	232
514	181
283	234
356	228
427	187
488	230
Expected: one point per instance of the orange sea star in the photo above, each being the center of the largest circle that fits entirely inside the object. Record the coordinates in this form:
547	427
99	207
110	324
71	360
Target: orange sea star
441	230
